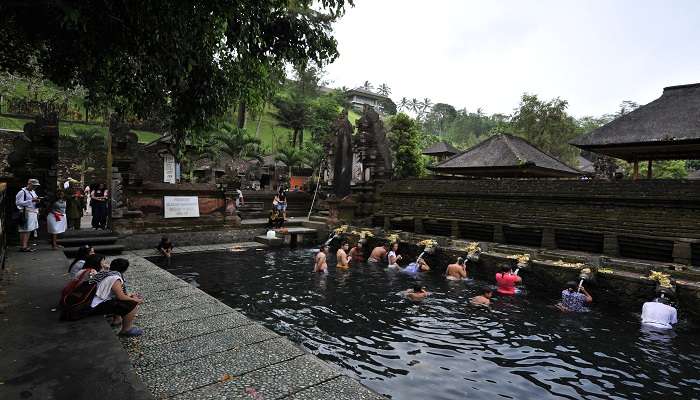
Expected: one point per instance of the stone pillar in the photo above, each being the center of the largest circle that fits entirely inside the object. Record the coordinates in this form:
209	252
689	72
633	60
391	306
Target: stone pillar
418	225
682	252
455	229
610	246
548	239
498	235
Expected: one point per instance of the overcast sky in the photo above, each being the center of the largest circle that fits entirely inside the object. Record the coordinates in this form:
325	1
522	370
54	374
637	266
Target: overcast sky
487	53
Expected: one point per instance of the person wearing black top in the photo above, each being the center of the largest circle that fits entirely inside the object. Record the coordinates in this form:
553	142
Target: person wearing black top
165	248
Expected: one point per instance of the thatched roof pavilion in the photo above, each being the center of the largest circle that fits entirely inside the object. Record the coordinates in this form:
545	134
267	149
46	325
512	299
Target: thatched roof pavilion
505	156
668	128
441	149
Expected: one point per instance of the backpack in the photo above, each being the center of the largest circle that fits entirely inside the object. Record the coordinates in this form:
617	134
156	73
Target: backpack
76	298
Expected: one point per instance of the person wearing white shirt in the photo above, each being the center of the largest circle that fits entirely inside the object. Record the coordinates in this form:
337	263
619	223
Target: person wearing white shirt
27	203
659	314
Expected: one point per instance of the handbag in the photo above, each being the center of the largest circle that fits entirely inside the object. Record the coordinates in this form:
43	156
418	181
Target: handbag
19	216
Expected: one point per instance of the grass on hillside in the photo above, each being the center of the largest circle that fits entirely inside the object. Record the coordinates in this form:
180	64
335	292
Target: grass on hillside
66	128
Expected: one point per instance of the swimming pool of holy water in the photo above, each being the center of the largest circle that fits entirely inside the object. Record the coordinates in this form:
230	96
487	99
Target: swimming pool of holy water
442	348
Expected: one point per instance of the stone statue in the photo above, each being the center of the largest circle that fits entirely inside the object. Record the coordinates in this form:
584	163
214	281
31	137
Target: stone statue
605	167
342	166
374	147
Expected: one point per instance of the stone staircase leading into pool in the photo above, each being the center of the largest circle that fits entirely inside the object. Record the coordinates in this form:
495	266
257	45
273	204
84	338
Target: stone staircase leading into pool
104	241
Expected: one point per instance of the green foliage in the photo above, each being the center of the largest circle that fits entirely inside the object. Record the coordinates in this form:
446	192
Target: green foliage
671	169
187	61
237	143
546	125
405	141
313	155
86	143
325	110
291	156
692	164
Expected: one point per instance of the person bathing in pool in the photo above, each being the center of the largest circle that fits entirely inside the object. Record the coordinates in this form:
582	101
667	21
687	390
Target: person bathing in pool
418	293
342	256
506	280
320	260
456	271
378	254
484	299
393	257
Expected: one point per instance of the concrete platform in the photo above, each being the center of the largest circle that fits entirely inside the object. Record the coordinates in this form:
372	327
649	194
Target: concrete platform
272	242
196	347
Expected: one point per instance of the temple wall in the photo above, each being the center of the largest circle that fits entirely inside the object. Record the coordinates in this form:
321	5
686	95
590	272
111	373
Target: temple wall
655	220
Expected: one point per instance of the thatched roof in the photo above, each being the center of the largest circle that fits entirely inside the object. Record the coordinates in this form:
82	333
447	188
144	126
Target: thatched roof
668	128
505	155
441	148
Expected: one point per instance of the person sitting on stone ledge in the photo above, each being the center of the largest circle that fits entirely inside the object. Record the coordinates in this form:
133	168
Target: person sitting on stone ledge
574	298
456	271
342	256
378	254
165	248
320	264
356	254
659	314
111	297
506	280
393	257
484	299
77	265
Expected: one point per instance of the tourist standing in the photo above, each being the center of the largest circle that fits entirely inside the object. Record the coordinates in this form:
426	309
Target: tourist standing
574	298
342	256
74	209
456	271
27	202
659	314
88	206
320	264
99	198
56	220
506	280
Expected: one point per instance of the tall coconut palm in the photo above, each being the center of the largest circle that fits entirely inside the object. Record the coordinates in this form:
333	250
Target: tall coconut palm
294	114
415	105
367	86
384	90
404	104
86	143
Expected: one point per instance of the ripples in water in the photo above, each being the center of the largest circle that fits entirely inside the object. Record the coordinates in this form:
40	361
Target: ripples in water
442	348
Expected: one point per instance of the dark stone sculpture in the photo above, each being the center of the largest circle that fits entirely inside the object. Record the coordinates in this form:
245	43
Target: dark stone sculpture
342	166
374	147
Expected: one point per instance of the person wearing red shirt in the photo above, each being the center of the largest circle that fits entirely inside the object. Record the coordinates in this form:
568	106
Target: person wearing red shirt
506	280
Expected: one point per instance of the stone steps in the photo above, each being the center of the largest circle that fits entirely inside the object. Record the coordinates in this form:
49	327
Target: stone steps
93	241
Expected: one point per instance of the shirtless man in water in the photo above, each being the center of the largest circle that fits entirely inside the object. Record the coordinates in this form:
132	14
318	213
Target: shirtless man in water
457	271
342	256
378	254
417	294
484	299
320	261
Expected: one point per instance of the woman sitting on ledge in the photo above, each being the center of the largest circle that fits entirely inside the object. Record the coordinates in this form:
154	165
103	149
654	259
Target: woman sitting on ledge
111	298
393	257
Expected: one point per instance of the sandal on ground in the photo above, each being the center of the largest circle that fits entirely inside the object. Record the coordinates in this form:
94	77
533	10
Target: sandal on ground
133	332
27	250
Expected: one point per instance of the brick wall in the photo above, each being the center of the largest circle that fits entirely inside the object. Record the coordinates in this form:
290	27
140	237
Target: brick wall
657	219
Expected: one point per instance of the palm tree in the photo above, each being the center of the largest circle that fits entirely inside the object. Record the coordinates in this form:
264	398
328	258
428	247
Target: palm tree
367	86
237	143
384	90
87	144
415	105
293	113
424	107
404	104
291	156
313	155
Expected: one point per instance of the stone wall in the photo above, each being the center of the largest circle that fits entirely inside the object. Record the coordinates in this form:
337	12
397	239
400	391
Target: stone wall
151	240
656	220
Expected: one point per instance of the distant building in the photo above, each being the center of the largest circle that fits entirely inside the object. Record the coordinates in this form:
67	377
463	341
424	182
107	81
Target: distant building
359	98
441	151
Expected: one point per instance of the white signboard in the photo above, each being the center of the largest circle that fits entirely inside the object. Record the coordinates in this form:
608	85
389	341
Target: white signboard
181	206
168	168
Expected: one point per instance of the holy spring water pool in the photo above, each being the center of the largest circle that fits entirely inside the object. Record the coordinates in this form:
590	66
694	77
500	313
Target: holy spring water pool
521	348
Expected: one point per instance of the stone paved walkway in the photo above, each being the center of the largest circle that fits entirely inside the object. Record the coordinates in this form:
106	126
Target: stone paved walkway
196	347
